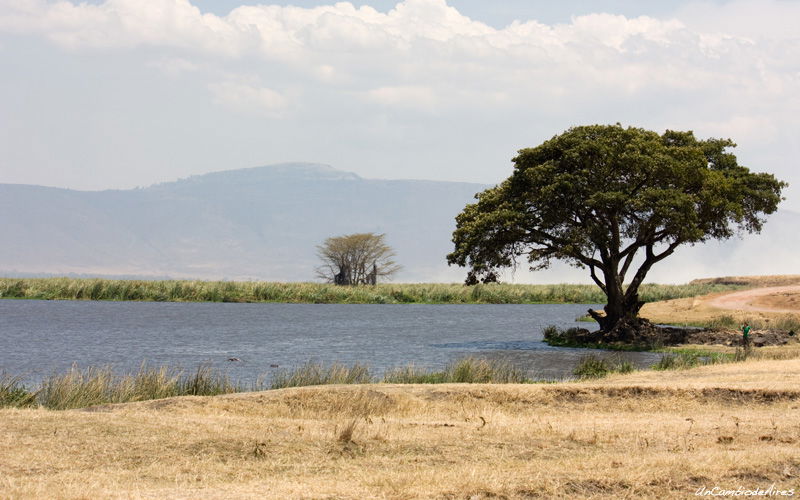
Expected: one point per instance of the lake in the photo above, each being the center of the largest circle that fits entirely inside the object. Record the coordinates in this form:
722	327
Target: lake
38	338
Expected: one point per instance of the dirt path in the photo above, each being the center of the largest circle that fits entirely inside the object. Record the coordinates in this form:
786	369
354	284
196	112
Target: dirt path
785	299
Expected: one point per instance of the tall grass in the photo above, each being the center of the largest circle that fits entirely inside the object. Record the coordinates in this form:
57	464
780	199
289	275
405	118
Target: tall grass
251	291
467	370
80	388
13	393
462	371
591	367
320	374
684	359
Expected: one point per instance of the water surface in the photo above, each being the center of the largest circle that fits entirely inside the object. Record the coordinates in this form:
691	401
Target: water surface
38	338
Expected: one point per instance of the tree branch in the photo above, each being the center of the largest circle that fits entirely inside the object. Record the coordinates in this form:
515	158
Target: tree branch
597	280
650	259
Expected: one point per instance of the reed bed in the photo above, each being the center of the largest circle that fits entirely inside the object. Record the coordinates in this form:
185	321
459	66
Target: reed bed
591	367
14	394
92	386
81	388
323	293
468	370
313	373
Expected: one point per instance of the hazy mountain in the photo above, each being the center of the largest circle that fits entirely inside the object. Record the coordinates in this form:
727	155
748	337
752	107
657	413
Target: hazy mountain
265	222
256	223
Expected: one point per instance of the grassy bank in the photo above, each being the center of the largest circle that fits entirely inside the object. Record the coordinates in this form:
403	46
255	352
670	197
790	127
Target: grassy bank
639	435
225	291
81	388
92	386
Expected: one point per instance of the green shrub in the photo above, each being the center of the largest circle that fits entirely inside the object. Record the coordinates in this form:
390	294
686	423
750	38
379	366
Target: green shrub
572	336
591	367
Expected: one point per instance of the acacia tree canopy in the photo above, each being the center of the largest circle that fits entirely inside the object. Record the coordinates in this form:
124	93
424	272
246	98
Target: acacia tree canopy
614	200
356	259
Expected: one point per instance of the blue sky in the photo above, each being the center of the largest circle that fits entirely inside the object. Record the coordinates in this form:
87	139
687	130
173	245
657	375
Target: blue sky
125	93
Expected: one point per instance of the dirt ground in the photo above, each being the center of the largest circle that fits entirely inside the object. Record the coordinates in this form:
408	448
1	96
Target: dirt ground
781	299
772	304
732	338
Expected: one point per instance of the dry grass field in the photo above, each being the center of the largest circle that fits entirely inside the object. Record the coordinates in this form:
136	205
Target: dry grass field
770	300
642	435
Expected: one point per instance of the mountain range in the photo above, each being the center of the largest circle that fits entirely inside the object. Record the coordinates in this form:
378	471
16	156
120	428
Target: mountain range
265	223
255	223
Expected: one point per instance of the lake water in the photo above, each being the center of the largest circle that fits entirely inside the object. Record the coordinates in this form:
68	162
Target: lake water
38	338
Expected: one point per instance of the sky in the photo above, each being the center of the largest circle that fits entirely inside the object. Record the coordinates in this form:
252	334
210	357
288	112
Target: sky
126	93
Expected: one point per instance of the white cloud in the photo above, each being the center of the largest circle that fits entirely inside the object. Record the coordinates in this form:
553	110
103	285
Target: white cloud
423	43
415	97
250	98
121	23
729	69
174	66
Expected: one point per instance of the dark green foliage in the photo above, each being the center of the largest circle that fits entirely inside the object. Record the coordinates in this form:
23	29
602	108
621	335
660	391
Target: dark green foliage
571	337
593	367
599	196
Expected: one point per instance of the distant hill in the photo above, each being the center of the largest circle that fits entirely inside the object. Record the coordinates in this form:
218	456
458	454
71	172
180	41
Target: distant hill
255	223
264	223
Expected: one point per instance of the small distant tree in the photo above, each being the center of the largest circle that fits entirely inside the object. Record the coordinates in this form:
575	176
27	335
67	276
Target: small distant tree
356	259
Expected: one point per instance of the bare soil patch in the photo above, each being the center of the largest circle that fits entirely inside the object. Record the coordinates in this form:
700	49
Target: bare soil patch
784	299
773	300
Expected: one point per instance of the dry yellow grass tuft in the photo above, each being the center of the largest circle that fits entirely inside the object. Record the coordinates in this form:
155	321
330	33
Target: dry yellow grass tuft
647	434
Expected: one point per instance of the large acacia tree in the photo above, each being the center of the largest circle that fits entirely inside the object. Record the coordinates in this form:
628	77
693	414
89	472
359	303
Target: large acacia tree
614	200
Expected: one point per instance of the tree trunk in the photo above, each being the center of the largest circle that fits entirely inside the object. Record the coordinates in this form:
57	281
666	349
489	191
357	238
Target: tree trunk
617	309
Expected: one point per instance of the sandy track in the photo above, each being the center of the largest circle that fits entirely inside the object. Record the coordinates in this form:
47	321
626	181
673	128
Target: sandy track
771	299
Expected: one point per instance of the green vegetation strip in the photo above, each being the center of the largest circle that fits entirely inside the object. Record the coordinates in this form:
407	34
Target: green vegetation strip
321	293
